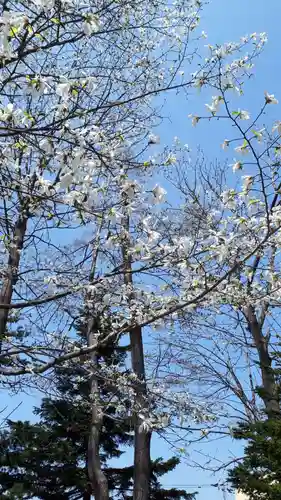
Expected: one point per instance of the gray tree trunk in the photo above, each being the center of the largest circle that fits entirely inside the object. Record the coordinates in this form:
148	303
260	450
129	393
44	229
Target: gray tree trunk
270	393
96	475
142	436
10	277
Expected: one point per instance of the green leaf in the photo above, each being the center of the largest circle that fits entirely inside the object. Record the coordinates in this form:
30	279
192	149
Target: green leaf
55	20
20	145
14	31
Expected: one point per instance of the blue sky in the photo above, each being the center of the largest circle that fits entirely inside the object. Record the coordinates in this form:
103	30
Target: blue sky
223	20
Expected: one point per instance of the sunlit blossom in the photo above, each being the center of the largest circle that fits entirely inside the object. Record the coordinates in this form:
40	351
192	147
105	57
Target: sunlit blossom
270	98
158	193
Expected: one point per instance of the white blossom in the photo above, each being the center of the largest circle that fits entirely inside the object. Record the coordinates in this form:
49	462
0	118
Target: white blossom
63	90
237	166
270	99
225	144
153	139
213	108
259	134
243	114
247	182
277	127
243	149
158	193
194	119
66	180
91	24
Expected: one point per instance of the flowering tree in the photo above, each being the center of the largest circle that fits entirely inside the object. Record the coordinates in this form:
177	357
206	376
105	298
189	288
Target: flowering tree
75	111
80	214
72	112
253	211
234	343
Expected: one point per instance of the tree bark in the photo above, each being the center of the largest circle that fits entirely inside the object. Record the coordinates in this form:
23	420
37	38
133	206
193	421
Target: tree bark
11	273
96	475
142	436
270	393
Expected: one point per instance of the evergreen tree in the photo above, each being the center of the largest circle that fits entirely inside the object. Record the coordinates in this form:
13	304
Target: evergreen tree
259	473
48	460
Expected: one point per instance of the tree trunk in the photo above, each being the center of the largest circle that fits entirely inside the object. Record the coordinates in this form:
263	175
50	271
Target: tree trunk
142	439
270	393
142	436
96	475
11	274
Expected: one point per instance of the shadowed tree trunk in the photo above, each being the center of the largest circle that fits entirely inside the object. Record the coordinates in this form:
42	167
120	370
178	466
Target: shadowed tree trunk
270	392
142	436
10	275
142	461
96	475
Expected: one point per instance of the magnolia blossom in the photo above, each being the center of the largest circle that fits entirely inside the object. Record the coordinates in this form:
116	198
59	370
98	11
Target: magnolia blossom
63	90
225	144
46	145
270	99
7	112
130	188
198	83
93	197
259	134
158	193
51	283
107	299
13	19
247	182
243	115
228	198
237	166
153	236
221	52
91	24
39	85
228	84
153	139
277	127
243	149
213	108
186	244
44	4
44	185
194	120
171	159
66	180
114	216
17	115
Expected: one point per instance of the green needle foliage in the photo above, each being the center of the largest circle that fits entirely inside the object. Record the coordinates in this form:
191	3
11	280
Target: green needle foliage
259	473
48	459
